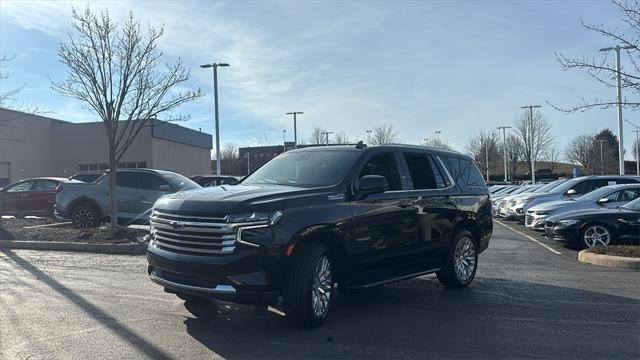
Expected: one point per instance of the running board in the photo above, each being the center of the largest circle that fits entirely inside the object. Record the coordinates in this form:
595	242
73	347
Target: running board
393	279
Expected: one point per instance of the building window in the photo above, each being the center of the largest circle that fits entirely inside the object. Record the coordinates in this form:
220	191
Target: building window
105	166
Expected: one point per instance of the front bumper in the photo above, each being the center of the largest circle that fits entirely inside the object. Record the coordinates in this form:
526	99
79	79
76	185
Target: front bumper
564	235
536	221
240	277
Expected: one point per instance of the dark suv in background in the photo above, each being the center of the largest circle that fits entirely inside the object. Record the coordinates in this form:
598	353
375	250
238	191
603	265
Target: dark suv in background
356	216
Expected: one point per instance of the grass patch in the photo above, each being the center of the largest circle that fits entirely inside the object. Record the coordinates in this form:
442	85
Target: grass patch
632	251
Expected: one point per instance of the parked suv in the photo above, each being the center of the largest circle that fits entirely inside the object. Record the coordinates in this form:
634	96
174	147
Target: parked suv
87	204
309	218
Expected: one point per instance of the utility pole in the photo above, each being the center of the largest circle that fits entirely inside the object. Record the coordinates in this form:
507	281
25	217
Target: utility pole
284	141
533	160
637	151
504	148
486	159
326	134
619	94
295	127
369	137
601	157
215	101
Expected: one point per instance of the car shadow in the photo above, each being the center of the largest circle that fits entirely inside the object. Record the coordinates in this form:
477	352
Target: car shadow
419	318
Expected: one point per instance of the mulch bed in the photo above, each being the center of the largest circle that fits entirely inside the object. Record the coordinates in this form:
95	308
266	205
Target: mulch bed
632	251
14	229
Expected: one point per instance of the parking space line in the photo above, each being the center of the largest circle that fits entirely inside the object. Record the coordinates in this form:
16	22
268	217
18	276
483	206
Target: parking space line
529	237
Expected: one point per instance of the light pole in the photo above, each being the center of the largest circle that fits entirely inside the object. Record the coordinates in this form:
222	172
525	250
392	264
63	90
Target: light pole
284	141
601	158
486	158
369	137
295	127
215	101
533	165
619	94
326	134
637	151
504	148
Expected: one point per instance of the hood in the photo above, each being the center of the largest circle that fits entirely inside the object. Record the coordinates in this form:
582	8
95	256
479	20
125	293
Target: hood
226	199
579	214
564	205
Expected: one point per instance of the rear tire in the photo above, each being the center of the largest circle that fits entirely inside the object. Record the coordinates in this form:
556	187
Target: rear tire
86	216
462	262
309	289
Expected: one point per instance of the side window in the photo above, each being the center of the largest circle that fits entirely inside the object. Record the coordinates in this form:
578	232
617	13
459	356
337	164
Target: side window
442	180
23	186
44	185
590	185
385	165
626	181
152	182
470	173
128	179
624	195
420	170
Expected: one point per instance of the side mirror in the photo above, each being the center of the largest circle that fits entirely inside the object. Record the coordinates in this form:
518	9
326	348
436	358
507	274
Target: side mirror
165	187
371	184
571	192
604	201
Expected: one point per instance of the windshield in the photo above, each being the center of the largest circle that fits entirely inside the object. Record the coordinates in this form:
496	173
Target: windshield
180	182
632	205
564	186
596	194
549	186
304	168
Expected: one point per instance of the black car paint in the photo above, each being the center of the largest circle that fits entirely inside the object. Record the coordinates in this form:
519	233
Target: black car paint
623	223
378	238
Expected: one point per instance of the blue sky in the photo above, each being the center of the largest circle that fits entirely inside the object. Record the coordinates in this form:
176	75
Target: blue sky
457	67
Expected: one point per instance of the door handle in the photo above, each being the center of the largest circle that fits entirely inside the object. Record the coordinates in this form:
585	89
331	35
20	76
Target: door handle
405	204
448	201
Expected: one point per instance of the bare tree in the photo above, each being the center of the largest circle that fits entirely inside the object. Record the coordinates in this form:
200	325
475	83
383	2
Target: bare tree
340	137
383	134
552	156
229	151
513	146
437	143
579	152
118	73
317	136
485	143
602	68
535	136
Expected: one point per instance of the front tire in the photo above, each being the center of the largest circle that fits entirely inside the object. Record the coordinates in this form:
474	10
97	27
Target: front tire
462	262
595	235
308	292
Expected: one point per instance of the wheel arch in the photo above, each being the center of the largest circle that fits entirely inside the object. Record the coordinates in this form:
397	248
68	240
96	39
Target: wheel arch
82	200
329	235
471	226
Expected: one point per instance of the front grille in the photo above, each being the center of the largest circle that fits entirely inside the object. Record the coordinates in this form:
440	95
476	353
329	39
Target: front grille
528	219
193	234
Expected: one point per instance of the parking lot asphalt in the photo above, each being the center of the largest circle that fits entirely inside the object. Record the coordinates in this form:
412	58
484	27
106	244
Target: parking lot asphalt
526	302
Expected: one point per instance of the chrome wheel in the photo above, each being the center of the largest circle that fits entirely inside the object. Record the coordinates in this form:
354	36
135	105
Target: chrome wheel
321	288
465	259
596	235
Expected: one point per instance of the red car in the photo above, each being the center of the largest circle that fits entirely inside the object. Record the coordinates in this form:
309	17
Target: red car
35	196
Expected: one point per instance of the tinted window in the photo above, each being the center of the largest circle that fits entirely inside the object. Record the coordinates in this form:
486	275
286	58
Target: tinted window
421	171
384	165
23	186
590	185
128	179
179	182
442	180
626	181
153	182
470	173
624	195
45	185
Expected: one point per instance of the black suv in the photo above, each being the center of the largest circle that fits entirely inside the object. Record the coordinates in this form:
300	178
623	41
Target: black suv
356	216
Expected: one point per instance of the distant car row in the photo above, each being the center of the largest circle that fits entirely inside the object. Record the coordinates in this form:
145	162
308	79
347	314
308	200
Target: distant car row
600	210
84	198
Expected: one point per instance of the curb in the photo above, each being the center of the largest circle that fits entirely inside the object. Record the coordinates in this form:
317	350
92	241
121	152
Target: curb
114	249
609	260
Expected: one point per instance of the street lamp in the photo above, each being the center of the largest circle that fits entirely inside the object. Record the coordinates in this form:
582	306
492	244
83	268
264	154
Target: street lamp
619	94
326	134
284	141
215	101
504	148
295	127
369	137
533	165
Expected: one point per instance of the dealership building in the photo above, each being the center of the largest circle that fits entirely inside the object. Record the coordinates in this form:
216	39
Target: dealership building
33	145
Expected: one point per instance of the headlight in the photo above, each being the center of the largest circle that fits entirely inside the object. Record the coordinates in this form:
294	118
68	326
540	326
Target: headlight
271	217
565	223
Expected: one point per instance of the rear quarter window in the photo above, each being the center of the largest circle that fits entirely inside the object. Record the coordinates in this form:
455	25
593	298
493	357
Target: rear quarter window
464	171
